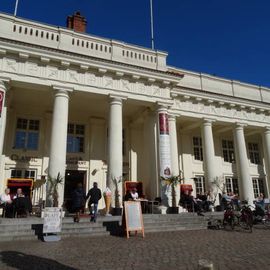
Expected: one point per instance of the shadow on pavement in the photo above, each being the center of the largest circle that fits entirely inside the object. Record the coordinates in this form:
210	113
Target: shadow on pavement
22	261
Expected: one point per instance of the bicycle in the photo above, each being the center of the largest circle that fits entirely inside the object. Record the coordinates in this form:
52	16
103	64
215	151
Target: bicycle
243	218
261	216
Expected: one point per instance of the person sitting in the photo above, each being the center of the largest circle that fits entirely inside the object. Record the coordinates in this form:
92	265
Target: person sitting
132	195
226	200
6	204
22	204
235	201
190	203
260	201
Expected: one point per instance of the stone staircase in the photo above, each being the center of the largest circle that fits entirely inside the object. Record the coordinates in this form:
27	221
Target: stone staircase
174	222
31	228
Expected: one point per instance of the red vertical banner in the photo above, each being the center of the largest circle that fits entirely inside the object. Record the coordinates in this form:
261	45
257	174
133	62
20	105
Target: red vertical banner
2	94
164	146
163	123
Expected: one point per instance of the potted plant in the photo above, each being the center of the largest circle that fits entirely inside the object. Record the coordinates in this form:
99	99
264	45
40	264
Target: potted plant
117	210
172	181
53	196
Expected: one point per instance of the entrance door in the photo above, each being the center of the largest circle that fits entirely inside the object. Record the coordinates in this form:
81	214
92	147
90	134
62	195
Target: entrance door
72	179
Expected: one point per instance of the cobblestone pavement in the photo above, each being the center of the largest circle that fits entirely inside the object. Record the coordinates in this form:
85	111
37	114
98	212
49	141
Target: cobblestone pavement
170	250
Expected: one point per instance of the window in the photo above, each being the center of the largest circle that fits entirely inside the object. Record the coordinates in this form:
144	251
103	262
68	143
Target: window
258	186
27	134
254	153
199	184
75	138
197	148
23	173
232	185
228	151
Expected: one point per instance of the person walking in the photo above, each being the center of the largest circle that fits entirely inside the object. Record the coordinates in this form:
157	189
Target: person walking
95	195
78	201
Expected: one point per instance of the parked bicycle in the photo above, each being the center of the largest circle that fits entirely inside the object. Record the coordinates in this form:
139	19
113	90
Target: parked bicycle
261	216
242	218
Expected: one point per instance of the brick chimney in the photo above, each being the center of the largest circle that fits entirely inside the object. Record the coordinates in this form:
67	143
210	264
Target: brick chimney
76	22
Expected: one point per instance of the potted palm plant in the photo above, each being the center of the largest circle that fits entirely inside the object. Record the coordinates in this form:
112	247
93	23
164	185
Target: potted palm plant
53	196
173	182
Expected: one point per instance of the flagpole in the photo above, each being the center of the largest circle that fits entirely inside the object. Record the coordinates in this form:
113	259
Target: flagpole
16	7
152	25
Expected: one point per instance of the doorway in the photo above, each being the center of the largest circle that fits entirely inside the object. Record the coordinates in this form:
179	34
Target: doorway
72	179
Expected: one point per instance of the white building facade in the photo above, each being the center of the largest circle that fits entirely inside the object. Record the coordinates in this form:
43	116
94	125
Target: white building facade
89	108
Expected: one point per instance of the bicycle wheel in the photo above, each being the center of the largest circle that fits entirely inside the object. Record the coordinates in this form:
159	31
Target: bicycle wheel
246	223
266	222
228	224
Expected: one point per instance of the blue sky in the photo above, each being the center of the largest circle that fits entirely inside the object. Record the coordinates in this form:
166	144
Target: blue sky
227	38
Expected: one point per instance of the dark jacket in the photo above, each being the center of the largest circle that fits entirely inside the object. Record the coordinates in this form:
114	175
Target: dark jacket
78	198
94	194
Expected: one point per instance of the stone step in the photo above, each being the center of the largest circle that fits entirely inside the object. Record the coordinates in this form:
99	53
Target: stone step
84	230
11	238
172	229
15	227
173	224
81	225
18	233
84	234
196	220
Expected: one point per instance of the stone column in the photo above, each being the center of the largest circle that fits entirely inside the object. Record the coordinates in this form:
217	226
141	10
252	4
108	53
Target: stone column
266	147
208	153
164	153
3	119
115	148
246	187
58	146
174	153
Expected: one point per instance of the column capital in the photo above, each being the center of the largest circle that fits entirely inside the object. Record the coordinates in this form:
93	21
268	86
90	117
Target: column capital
240	125
163	106
4	83
116	97
62	90
208	121
267	130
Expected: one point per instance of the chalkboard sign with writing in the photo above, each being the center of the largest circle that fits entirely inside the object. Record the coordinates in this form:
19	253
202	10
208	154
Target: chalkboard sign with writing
133	216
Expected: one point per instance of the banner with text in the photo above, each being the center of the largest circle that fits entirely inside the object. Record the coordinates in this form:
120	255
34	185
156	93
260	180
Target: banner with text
164	146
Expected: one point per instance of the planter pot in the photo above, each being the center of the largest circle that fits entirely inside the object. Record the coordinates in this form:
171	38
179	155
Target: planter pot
173	210
117	211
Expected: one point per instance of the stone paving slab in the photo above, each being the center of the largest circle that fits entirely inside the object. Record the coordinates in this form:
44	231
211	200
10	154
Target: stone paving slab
164	251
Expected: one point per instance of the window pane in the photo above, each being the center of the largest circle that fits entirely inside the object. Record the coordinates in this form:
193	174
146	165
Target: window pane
69	144
20	138
80	129
22	123
33	124
32	142
16	173
195	141
70	128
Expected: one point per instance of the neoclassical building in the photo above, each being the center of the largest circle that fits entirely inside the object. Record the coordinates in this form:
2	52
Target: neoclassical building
94	109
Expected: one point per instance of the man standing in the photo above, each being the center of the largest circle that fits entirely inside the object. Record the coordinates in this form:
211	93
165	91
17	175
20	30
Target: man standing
95	195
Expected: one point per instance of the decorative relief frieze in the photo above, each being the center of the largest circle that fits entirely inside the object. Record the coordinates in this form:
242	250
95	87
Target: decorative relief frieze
85	78
211	109
11	65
